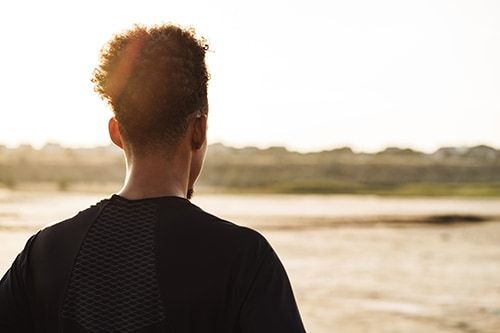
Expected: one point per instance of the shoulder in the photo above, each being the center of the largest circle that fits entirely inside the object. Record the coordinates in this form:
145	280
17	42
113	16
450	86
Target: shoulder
55	247
246	237
59	234
82	215
248	247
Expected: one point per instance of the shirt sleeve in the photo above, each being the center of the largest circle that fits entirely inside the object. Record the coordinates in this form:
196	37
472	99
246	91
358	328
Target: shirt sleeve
15	315
270	305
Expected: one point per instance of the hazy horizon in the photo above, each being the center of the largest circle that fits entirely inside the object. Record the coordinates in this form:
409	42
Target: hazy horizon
262	147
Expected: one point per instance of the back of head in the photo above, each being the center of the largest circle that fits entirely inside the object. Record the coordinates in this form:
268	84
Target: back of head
153	78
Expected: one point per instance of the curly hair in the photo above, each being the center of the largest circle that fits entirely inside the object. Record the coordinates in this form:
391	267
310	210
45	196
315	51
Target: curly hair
153	78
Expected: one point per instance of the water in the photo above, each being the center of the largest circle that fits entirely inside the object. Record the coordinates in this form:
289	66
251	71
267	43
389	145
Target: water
36	209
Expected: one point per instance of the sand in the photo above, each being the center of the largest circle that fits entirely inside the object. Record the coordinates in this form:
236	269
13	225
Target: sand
383	279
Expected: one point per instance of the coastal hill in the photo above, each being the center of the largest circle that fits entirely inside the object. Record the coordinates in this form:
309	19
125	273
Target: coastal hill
394	171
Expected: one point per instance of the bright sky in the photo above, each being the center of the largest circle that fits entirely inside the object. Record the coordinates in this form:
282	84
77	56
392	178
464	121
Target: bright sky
309	75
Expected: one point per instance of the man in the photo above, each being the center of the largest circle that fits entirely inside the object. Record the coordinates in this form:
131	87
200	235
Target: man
147	259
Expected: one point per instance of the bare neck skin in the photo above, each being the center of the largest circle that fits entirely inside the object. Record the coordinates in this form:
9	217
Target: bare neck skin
154	176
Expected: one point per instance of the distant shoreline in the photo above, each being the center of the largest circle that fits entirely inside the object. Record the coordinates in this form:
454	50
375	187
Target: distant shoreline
404	190
450	171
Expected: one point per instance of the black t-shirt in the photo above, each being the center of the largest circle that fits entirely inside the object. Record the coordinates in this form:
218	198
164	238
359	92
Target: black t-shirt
149	265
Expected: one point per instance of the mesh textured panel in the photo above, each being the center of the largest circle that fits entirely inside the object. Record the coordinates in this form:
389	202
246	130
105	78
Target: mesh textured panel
113	285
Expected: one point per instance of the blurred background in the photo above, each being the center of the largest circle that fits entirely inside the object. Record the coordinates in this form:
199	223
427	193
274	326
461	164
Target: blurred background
361	138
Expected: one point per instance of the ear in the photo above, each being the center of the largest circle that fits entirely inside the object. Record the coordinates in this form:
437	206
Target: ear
199	132
114	132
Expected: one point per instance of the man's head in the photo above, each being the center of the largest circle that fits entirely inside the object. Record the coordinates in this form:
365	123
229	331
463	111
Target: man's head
155	80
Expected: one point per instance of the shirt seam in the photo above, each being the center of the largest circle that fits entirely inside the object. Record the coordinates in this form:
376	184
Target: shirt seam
70	275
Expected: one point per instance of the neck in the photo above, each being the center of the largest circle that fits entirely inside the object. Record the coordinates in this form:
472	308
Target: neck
155	176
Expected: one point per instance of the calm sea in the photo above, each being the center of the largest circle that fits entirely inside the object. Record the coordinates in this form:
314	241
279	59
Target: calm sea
34	209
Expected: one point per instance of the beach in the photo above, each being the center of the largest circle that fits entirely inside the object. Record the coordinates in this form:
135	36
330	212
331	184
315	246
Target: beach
356	264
